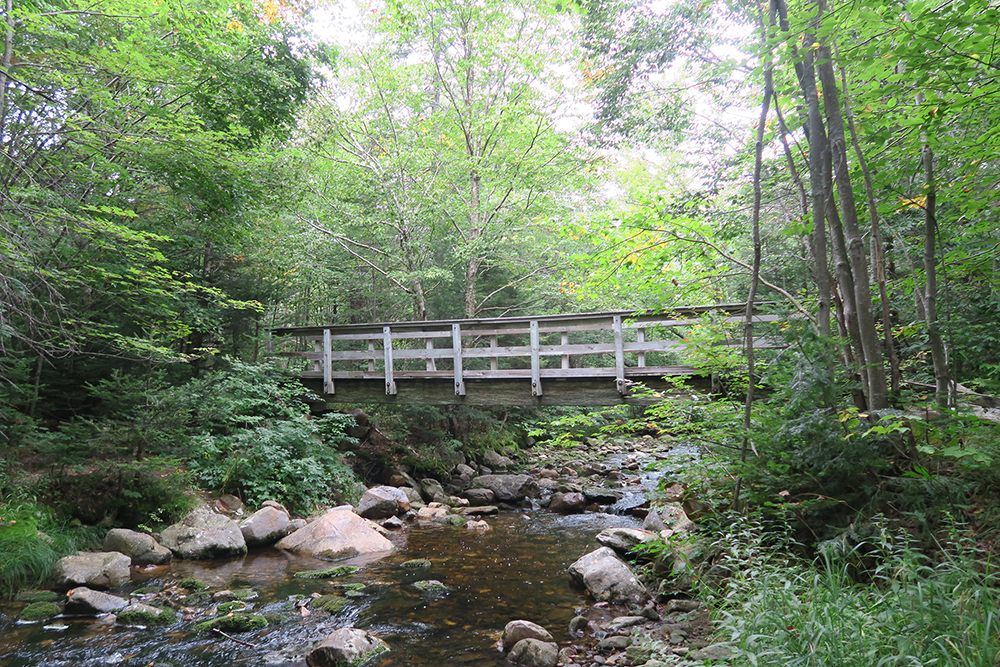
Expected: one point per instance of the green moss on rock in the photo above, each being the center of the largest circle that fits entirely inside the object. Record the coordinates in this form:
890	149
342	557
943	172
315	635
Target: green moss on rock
333	572
144	617
235	605
193	584
39	611
233	622
333	604
417	562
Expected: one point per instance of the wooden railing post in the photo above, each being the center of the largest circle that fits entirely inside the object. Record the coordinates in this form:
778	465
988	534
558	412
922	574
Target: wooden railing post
564	339
456	351
429	364
536	368
616	325
640	337
390	382
494	361
328	387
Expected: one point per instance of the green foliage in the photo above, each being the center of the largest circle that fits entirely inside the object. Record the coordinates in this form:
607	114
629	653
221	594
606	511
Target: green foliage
568	427
779	610
151	493
32	539
287	461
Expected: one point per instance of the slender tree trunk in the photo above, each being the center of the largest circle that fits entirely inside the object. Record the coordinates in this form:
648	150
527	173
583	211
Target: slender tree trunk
877	247
871	347
818	158
942	378
755	227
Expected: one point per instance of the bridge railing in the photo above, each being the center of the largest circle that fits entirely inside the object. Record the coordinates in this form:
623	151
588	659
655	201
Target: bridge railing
625	346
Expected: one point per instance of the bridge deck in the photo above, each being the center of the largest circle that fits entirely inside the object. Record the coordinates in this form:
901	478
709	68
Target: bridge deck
582	359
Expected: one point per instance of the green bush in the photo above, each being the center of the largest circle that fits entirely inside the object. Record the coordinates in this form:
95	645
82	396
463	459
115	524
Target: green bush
135	494
288	461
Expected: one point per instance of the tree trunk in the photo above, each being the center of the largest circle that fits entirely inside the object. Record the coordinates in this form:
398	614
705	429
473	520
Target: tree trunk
871	347
942	378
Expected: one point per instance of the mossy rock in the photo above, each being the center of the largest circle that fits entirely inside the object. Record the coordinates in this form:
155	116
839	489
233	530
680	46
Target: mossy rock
39	611
233	622
333	604
37	596
416	562
143	617
150	590
356	588
274	618
192	584
235	605
431	586
332	573
244	594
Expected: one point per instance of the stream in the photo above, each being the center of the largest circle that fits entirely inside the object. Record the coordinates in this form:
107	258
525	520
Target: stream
517	570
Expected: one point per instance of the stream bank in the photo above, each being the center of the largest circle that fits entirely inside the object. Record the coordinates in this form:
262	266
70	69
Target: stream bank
515	570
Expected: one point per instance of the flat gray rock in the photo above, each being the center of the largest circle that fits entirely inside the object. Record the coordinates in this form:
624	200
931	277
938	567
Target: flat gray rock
93	569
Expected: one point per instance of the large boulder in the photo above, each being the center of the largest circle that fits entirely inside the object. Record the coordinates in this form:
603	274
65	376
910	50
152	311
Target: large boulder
382	502
479	497
567	503
346	647
534	653
432	491
204	534
495	461
97	570
265	526
340	533
515	631
508	488
608	577
83	600
140	547
624	540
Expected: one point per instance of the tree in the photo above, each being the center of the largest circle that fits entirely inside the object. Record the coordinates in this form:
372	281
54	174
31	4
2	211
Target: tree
439	156
124	181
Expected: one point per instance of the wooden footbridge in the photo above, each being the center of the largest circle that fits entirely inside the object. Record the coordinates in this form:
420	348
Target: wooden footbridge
585	359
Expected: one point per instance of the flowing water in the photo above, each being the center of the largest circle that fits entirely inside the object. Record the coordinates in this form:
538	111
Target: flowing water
516	570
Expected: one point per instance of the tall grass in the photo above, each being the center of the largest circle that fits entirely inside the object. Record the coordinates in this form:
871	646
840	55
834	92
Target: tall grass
779	610
31	541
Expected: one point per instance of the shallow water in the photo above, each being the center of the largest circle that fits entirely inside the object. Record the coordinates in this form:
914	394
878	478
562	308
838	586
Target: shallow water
516	570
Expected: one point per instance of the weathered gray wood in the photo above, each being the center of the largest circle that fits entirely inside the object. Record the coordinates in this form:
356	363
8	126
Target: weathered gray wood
619	354
456	346
328	387
526	374
536	378
390	382
401	342
508	392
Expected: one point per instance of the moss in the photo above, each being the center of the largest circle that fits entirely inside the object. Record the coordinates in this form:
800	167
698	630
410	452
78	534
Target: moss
142	617
275	618
431	585
244	594
40	611
333	604
417	562
235	605
193	584
150	590
350	587
333	572
37	596
233	622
